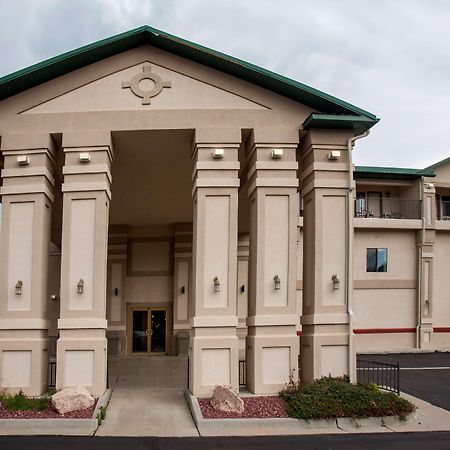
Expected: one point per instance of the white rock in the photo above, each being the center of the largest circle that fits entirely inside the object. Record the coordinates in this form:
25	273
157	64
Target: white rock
225	400
72	399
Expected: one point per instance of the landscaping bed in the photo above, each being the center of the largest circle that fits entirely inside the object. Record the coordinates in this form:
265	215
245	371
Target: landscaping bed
254	407
327	398
21	407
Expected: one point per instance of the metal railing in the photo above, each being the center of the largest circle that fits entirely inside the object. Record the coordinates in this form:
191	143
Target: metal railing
242	373
443	210
52	374
388	208
386	376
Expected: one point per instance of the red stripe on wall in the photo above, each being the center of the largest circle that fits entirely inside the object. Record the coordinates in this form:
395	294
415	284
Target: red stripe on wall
383	330
299	333
441	330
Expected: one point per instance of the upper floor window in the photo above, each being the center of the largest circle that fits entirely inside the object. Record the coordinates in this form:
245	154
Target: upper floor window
377	260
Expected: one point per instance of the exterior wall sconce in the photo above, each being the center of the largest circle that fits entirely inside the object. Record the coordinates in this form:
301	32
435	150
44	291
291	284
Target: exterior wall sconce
334	155
218	153
242	288
53	297
277	282
335	281
85	157
277	153
80	286
23	160
18	287
183	290
216	284
116	292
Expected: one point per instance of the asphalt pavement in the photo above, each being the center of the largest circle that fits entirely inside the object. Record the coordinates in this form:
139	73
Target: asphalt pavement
377	441
423	375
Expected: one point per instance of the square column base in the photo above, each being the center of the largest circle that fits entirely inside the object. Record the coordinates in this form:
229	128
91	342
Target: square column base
24	361
272	358
426	335
213	360
324	352
81	360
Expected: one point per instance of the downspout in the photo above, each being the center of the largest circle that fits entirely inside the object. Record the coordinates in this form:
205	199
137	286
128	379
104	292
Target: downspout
349	284
419	269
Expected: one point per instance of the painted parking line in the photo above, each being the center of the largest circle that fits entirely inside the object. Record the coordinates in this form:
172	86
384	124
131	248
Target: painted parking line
424	368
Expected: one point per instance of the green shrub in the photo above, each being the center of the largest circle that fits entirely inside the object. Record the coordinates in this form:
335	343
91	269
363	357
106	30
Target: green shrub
337	397
20	402
101	415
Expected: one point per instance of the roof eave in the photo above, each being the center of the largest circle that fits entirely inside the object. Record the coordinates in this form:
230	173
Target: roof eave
357	123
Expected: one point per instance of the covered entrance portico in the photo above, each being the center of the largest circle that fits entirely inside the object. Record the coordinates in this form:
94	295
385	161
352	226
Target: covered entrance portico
118	205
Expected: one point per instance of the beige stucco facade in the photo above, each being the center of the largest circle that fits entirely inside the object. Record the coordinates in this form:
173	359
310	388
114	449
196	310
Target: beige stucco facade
148	197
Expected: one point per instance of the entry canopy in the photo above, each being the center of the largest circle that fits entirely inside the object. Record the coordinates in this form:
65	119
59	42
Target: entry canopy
332	112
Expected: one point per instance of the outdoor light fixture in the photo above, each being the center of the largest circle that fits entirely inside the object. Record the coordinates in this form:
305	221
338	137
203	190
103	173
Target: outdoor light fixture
54	297
19	285
116	291
277	153
183	290
429	185
242	288
277	282
336	282
334	155
216	284
23	160
80	286
218	153
85	157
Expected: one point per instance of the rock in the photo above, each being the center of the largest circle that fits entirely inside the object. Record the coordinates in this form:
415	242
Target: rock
225	400
72	399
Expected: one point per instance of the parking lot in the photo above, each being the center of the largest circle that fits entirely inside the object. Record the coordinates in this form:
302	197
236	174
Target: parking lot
424	375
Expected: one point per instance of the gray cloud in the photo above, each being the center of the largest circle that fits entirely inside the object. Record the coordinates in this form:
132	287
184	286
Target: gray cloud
389	57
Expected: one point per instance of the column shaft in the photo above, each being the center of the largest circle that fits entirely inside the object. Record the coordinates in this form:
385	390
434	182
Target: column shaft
27	198
272	343
81	348
214	343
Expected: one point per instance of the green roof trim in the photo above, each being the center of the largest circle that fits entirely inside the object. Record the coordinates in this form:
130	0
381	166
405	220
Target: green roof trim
358	123
392	172
59	65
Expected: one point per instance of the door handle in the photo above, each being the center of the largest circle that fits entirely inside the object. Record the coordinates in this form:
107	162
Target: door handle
148	332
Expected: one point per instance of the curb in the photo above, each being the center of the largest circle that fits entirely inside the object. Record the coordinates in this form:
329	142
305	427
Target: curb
54	427
278	427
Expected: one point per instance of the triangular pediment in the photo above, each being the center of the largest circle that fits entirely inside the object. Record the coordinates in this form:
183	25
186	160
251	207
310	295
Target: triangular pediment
145	86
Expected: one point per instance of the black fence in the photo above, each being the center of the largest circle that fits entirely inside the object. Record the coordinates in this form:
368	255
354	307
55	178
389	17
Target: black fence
387	208
52	374
386	376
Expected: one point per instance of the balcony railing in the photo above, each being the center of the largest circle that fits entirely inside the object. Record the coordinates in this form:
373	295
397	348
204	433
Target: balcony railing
387	208
443	210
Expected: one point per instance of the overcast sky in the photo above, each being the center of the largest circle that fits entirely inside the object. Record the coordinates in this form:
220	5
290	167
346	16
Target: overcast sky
390	57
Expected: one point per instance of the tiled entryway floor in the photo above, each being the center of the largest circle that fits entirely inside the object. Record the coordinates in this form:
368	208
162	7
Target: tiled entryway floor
148	398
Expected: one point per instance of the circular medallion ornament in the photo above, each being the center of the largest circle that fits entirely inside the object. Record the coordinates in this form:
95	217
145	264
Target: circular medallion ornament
146	95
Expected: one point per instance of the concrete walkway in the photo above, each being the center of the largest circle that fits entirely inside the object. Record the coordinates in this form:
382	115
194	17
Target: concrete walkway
147	398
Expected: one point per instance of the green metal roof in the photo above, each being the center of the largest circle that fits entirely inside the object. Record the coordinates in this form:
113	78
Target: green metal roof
358	123
75	59
392	172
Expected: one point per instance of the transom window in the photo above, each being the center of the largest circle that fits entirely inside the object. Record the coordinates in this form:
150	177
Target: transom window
377	259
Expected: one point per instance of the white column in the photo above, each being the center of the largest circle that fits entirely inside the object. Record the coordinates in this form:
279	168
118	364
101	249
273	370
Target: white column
27	198
214	343
272	342
324	189
82	346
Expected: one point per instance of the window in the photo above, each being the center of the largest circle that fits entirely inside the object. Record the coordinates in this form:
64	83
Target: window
376	260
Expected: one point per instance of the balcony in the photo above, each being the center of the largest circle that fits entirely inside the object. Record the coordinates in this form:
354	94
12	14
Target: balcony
387	208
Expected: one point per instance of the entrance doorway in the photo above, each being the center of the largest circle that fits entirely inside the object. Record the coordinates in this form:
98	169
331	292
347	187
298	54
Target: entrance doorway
149	331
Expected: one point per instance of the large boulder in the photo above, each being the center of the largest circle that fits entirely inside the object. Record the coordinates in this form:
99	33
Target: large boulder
225	400
72	399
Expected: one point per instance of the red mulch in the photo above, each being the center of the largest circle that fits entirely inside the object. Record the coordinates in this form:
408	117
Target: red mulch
48	413
254	408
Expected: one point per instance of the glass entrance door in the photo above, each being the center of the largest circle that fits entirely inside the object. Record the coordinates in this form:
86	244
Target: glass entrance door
149	330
